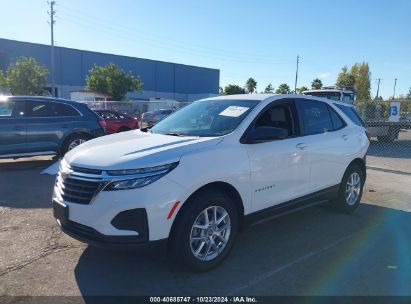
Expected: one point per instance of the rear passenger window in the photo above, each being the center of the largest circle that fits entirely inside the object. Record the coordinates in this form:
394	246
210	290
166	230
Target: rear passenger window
49	109
315	116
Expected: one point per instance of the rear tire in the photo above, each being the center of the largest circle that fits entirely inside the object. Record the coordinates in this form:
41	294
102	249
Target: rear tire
202	249
73	141
351	188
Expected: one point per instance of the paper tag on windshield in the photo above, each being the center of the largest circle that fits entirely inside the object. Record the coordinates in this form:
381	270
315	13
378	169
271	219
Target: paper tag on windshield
234	111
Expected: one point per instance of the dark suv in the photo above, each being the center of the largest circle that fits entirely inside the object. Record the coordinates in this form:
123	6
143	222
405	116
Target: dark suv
31	126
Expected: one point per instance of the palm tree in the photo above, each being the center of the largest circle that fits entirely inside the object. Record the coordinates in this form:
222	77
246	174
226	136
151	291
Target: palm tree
316	84
283	89
251	85
269	89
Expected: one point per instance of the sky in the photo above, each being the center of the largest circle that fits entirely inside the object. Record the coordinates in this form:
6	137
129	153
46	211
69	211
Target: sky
259	39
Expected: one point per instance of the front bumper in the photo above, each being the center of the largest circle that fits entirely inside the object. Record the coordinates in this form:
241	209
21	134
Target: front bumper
92	237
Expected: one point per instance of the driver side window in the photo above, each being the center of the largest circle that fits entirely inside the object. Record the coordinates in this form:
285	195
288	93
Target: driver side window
279	116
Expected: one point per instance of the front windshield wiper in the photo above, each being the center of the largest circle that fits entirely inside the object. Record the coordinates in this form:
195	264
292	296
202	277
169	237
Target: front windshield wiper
175	134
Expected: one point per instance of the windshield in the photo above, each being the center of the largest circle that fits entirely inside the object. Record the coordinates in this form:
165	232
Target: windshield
329	95
206	118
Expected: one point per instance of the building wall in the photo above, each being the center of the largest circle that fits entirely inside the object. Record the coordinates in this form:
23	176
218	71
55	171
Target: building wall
161	79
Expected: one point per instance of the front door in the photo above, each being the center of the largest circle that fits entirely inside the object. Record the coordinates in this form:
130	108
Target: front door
280	168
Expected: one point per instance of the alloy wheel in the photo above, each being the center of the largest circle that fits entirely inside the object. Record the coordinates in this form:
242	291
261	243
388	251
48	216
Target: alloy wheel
353	188
210	233
76	143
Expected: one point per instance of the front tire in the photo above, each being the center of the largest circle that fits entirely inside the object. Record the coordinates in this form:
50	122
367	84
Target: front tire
205	231
351	188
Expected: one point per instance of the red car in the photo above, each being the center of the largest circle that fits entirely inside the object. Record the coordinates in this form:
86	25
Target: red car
117	122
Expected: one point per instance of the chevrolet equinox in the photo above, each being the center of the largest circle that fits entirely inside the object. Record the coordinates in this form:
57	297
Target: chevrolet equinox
195	178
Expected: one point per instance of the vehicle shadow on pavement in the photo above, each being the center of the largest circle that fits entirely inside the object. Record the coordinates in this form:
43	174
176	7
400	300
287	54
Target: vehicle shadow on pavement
313	252
22	185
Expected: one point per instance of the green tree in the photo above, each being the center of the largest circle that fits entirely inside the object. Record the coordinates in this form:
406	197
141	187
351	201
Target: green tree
358	77
363	81
112	80
3	81
345	78
232	89
26	76
251	85
269	89
302	89
283	89
408	96
316	84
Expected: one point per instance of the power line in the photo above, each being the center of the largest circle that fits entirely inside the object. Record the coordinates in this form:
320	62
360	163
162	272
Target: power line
121	35
117	28
51	23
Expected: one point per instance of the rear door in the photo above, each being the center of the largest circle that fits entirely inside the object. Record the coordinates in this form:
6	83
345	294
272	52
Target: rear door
327	140
48	122
12	127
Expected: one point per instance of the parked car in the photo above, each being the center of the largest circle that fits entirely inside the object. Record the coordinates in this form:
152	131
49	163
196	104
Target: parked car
31	126
155	116
117	122
198	176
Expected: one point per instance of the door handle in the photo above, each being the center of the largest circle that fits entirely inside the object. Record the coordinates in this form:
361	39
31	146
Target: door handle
65	126
18	128
301	146
345	137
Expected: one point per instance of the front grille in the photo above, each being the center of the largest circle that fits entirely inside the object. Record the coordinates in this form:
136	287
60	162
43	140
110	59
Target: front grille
77	186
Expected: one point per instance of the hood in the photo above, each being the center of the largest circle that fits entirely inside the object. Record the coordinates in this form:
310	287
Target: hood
134	149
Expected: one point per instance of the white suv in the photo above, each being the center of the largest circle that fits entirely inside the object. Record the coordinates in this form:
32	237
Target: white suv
198	176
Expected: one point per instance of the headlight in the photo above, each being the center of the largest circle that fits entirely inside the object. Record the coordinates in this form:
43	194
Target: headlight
137	178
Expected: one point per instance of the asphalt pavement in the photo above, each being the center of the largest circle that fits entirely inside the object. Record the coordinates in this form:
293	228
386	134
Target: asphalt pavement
312	252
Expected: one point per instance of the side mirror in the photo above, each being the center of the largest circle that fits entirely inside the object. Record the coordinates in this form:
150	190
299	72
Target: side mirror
262	134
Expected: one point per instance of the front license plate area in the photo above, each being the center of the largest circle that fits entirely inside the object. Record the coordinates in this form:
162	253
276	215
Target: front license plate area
60	212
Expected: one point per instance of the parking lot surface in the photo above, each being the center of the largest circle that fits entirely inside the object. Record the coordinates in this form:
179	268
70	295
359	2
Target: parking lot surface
312	252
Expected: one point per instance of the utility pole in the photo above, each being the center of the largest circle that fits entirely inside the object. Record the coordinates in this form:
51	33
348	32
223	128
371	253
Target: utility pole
296	75
51	23
378	88
395	84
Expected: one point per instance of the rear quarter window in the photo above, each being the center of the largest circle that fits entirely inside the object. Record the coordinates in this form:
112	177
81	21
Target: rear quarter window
351	113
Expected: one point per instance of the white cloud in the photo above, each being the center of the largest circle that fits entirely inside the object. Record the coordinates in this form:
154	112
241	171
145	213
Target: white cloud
324	75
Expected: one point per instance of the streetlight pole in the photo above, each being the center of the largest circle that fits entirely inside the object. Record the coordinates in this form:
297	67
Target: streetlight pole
395	84
378	88
296	75
52	22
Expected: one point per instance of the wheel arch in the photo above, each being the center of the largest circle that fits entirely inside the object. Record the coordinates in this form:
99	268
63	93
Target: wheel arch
65	139
226	188
361	163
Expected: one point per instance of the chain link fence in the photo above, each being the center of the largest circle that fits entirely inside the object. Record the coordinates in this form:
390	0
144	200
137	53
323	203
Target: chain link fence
389	123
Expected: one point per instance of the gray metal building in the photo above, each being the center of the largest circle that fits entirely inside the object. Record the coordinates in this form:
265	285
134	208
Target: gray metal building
161	79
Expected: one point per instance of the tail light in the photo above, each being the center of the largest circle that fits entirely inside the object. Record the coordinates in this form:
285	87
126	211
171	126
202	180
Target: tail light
102	124
368	134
